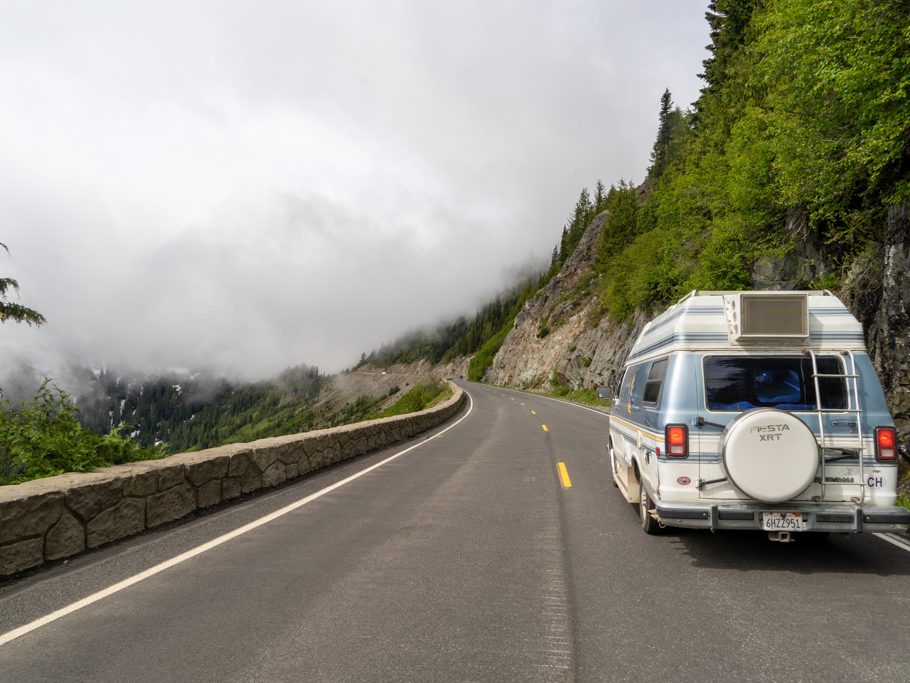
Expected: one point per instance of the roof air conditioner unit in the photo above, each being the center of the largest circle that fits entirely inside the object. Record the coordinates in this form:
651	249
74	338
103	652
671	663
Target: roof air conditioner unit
764	316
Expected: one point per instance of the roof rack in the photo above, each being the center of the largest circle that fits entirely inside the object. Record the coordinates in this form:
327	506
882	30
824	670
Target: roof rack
705	292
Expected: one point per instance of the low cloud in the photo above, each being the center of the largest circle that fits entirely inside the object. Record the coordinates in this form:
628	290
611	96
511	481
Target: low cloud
244	190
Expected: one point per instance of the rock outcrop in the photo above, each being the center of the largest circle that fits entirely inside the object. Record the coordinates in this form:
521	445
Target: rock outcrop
885	312
561	334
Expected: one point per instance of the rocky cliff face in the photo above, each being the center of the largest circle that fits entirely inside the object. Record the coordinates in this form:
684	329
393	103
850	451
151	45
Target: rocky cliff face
562	336
884	307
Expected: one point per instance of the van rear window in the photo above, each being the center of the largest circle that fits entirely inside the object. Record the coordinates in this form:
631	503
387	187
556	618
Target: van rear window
744	382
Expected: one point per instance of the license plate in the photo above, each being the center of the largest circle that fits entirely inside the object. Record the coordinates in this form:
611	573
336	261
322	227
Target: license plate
782	521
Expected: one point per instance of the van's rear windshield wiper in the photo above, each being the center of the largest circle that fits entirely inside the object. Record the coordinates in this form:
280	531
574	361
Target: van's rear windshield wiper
702	422
842	454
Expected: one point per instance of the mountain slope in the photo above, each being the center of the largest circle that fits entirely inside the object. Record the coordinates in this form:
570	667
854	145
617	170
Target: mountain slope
561	335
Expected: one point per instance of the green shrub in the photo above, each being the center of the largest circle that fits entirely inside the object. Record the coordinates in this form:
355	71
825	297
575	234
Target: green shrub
417	398
557	385
484	357
44	438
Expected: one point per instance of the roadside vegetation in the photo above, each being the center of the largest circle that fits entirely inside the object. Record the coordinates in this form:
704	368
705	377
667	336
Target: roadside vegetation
43	437
417	398
584	396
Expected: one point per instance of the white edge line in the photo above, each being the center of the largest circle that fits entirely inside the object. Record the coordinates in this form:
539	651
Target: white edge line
214	543
893	541
561	400
577	405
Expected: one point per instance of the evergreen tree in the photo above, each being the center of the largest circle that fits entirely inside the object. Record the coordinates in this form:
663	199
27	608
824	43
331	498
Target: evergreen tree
579	221
728	20
15	312
600	197
661	152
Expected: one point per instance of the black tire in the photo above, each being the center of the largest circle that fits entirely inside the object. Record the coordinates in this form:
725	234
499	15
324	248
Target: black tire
648	524
612	465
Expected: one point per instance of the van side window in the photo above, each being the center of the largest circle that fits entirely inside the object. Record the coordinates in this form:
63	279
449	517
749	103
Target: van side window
655	381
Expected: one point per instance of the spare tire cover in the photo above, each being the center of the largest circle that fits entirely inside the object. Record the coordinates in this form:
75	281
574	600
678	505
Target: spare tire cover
769	455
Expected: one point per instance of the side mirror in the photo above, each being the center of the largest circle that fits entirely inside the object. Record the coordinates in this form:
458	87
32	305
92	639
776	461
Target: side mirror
605	393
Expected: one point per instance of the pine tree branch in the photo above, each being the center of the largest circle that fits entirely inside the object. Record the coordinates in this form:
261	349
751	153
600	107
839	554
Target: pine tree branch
20	314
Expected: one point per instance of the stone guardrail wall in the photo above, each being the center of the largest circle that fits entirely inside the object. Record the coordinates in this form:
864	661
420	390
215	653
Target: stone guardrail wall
53	518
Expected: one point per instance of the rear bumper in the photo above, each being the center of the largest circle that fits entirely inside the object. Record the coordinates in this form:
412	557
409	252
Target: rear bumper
817	517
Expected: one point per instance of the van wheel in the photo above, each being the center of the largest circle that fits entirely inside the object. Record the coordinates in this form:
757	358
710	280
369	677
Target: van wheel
612	465
648	524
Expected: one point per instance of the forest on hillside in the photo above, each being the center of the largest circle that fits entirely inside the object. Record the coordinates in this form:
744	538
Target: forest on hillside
801	134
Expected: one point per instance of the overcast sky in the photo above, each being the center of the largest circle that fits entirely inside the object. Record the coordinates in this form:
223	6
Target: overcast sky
248	185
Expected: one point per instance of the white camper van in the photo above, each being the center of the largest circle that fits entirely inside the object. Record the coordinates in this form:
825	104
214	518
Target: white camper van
755	410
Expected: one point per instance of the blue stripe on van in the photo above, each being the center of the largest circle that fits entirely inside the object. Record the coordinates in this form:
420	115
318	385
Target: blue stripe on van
837	336
826	311
677	338
700	310
707	337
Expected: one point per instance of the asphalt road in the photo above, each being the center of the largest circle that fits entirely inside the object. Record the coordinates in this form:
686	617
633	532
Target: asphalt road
466	559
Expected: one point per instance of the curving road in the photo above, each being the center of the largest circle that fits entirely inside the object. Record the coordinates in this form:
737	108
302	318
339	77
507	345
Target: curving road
472	557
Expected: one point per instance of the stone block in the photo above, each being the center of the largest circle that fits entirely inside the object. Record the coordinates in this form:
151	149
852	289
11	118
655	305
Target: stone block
209	494
290	452
240	461
316	442
169	505
29	515
170	475
346	447
230	488
334	452
141	484
274	475
205	469
17	557
251	480
291	471
126	518
90	498
320	459
265	455
65	538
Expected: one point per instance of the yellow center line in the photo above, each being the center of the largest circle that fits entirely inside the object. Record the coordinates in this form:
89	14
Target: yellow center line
545	428
522	404
564	475
533	412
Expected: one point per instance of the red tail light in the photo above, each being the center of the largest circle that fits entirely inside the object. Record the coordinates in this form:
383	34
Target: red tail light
677	438
885	443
